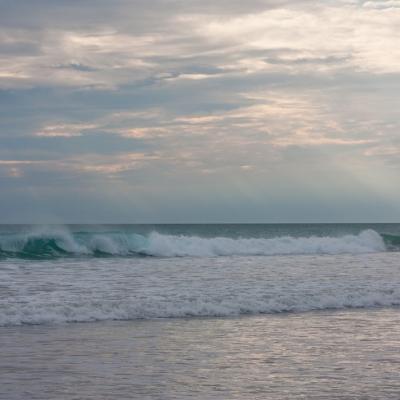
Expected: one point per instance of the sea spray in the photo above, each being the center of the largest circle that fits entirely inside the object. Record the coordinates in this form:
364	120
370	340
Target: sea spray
54	243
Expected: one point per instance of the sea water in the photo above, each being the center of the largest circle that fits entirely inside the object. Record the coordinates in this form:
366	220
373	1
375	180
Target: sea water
200	311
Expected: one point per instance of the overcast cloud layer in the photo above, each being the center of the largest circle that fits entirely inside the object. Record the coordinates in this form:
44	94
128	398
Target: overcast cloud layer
199	111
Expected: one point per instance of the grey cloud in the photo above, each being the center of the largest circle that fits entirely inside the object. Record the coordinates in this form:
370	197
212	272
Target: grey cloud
244	120
309	60
19	48
76	66
85	13
56	147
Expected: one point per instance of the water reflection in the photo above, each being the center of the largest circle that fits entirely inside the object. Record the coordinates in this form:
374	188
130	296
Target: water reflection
322	355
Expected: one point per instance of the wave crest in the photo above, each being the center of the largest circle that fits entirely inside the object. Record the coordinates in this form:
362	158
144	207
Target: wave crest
180	246
202	306
62	243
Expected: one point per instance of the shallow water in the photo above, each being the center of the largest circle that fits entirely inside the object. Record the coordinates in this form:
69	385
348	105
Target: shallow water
317	355
70	290
211	312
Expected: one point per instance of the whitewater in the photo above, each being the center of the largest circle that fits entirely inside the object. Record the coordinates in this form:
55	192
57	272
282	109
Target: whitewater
53	275
59	242
252	311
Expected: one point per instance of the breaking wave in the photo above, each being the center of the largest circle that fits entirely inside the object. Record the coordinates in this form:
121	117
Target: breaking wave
62	243
94	278
202	306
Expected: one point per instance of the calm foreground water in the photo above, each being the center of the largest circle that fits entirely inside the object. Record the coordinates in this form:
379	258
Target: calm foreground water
314	355
204	312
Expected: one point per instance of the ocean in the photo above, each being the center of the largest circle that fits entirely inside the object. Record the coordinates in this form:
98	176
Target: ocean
211	311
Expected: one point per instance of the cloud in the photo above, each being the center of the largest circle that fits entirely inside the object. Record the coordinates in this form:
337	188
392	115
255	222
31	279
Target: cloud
65	130
382	4
199	97
193	42
76	66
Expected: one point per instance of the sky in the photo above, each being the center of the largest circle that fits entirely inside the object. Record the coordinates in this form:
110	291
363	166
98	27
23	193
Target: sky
176	111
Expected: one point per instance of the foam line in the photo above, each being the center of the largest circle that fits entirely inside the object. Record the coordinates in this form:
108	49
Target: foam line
61	243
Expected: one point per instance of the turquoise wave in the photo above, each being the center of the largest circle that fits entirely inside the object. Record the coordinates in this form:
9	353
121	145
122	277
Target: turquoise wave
392	242
58	243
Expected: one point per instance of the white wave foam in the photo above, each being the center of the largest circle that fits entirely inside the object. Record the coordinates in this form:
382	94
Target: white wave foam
157	244
107	245
201	307
161	245
89	289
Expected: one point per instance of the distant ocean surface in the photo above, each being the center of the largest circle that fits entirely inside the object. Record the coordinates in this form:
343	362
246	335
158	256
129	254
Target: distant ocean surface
135	282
